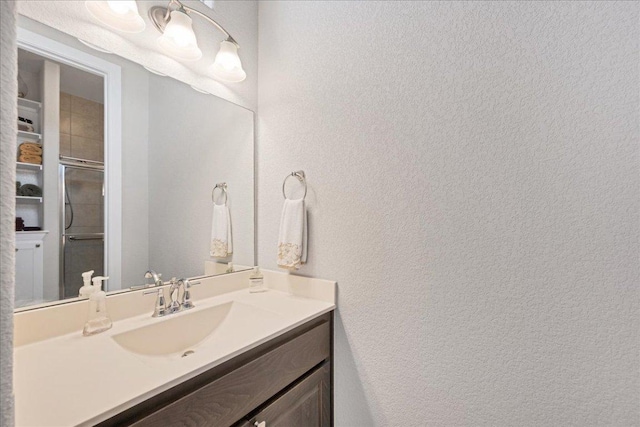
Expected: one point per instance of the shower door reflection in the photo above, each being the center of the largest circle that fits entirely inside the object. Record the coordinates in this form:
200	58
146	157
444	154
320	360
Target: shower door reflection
82	214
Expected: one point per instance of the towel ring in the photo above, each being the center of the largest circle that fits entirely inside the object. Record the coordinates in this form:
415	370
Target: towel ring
301	177
223	187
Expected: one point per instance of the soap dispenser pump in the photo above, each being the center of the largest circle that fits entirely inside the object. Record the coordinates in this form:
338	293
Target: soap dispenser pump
87	289
99	320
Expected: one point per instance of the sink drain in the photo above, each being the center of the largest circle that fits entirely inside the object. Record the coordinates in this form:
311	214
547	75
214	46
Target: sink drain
187	353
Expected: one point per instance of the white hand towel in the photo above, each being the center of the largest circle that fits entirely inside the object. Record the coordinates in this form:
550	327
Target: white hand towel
292	241
221	239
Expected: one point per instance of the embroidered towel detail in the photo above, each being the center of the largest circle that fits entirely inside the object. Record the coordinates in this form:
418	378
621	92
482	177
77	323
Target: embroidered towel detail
221	238
292	240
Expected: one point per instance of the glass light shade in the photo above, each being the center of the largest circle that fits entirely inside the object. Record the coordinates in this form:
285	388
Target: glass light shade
121	15
227	65
178	39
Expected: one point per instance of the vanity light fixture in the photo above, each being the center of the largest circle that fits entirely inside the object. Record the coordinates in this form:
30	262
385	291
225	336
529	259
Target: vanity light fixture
121	15
179	40
227	65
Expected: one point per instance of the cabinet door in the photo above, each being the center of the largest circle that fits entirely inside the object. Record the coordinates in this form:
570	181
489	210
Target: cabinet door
29	270
307	404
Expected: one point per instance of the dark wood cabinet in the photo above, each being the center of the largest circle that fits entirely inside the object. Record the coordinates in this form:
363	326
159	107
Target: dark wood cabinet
306	404
284	382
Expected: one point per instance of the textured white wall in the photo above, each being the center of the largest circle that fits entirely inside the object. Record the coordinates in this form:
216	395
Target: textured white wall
8	128
473	172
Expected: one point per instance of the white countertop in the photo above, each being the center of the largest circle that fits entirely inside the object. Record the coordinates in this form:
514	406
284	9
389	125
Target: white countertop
76	380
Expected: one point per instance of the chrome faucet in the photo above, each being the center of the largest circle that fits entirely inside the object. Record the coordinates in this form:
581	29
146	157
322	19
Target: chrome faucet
157	281
161	308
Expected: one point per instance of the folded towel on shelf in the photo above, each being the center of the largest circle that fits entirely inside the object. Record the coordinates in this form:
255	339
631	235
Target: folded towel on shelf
31	148
292	240
30	158
30	190
221	238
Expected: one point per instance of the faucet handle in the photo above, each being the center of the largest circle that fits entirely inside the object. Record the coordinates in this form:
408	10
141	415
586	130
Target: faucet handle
160	309
186	295
174	291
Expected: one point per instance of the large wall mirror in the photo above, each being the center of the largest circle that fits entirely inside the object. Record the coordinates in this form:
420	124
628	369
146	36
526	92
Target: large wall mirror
116	170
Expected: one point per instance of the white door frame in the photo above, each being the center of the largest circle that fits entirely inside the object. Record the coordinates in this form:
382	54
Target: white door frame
111	74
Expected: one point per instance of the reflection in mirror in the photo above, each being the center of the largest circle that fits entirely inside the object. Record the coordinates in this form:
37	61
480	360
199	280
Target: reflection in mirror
116	169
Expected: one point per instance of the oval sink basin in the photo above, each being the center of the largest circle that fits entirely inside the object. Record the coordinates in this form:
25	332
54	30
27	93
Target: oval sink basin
181	332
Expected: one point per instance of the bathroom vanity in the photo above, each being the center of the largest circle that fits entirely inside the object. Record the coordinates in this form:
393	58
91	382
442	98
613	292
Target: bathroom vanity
285	381
237	358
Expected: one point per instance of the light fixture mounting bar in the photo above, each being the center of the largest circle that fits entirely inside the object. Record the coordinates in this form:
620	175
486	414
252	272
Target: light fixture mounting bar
160	16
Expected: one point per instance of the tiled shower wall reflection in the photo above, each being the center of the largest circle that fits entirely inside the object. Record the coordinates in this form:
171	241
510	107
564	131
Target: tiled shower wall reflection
81	128
82	136
79	257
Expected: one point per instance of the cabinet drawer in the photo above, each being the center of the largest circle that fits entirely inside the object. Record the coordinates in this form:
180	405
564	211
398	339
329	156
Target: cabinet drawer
230	397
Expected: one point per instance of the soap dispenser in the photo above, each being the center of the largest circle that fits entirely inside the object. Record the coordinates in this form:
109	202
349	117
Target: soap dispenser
99	320
257	281
87	289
